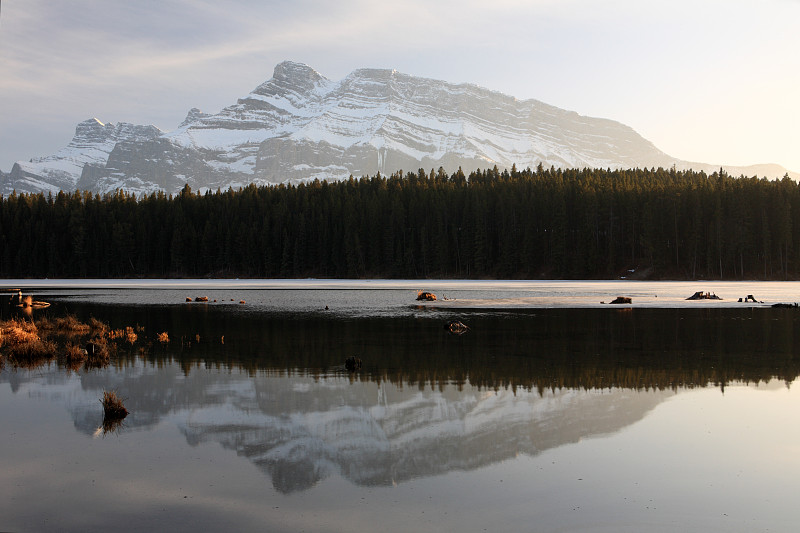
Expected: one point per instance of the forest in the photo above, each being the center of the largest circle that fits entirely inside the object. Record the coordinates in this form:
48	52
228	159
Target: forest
518	224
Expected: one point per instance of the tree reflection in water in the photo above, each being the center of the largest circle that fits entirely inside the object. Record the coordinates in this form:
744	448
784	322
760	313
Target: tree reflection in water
545	349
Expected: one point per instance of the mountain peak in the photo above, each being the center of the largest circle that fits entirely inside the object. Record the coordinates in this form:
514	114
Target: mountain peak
93	122
92	130
192	116
298	74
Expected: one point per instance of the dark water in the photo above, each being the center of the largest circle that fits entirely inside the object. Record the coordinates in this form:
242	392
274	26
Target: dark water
539	348
561	419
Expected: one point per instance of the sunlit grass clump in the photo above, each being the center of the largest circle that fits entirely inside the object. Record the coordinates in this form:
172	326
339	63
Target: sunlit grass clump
128	334
21	342
28	344
67	326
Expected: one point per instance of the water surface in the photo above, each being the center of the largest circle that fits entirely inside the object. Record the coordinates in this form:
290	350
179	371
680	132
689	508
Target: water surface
540	418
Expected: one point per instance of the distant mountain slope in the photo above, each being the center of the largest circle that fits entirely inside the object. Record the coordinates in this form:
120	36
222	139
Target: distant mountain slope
91	145
299	125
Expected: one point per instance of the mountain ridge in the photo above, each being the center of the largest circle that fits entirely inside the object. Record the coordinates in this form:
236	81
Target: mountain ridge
299	125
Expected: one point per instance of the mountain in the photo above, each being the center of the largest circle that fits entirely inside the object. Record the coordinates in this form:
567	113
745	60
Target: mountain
91	146
300	125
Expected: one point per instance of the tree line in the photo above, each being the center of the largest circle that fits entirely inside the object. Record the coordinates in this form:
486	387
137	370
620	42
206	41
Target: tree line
532	223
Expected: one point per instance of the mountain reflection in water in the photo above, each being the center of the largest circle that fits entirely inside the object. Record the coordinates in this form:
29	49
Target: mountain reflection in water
300	429
426	402
382	434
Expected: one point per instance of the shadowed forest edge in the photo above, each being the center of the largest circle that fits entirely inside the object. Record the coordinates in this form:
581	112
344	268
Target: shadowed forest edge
530	224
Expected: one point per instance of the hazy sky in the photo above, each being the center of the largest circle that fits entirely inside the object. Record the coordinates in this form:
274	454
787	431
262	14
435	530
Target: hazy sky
714	81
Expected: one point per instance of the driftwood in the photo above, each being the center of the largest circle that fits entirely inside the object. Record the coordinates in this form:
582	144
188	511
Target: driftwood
27	302
201	299
35	304
427	296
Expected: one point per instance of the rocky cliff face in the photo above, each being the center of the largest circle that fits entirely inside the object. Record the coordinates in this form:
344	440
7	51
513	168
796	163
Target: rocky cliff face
91	145
299	126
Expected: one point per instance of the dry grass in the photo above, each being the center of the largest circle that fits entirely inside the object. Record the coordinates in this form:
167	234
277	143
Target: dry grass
128	334
34	356
22	343
113	407
67	326
114	412
26	344
73	352
19	330
163	337
74	356
71	325
99	352
112	425
98	328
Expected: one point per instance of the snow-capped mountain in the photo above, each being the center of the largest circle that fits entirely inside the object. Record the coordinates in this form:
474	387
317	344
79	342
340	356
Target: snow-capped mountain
91	145
300	125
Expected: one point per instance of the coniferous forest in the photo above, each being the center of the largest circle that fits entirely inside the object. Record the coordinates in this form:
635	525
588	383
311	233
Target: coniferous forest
535	223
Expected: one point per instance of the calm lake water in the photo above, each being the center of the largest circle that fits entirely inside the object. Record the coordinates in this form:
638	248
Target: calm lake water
553	413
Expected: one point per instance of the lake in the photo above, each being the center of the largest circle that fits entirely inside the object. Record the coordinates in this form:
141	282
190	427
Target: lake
553	412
